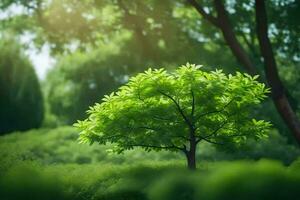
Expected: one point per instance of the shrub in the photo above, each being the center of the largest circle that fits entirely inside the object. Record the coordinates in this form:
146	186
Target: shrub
260	181
28	183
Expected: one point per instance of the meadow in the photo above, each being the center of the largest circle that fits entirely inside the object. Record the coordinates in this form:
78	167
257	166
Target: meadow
51	164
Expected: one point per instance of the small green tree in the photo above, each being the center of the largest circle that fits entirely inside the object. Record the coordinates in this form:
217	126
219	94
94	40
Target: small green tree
158	110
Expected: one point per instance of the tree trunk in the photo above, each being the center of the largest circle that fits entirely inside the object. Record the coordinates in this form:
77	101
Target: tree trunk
237	50
191	160
278	91
191	155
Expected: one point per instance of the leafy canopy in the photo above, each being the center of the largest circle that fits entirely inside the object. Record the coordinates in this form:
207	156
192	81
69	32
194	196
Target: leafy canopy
159	110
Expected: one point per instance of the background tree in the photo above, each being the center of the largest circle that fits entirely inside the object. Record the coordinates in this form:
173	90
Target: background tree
157	110
84	76
21	100
159	30
279	93
79	80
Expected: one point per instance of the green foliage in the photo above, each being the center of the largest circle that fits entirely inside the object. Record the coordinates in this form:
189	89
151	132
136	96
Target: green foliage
161	33
21	100
28	181
224	180
274	147
159	110
176	186
50	163
59	146
264	180
78	80
173	22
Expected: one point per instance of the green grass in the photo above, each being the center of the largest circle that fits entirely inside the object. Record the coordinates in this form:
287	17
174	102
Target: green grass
51	164
60	146
154	181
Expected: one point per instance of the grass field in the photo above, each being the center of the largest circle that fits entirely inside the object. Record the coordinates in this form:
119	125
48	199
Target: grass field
51	164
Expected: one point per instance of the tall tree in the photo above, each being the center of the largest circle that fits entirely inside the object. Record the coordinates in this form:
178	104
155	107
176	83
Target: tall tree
279	96
21	100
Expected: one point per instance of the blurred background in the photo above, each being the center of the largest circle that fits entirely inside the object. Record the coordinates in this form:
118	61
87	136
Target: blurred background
58	57
68	54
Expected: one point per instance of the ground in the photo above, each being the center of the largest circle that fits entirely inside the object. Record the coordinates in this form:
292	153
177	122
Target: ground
51	164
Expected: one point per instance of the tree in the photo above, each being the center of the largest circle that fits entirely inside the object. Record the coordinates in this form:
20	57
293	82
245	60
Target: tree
21	100
279	92
78	80
161	29
158	110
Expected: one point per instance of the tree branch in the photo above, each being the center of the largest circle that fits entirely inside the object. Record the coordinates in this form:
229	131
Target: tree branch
237	135
216	130
185	149
155	116
222	22
112	136
147	128
215	111
193	105
155	147
198	140
250	45
230	37
202	12
179	110
166	119
212	142
157	130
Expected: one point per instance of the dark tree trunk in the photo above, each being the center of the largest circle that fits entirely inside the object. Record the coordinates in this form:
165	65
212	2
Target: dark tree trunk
191	155
278	91
191	160
237	50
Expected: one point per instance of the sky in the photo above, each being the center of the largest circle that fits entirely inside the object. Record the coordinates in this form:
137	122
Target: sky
40	58
41	61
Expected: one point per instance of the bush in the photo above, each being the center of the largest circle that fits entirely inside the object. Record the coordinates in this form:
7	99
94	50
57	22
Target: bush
175	186
151	181
274	147
21	102
50	161
60	146
260	181
237	180
28	183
